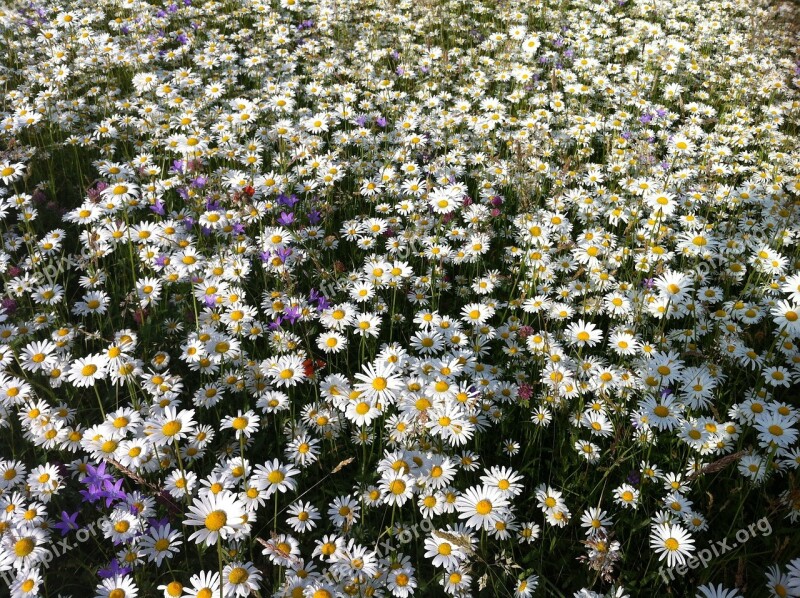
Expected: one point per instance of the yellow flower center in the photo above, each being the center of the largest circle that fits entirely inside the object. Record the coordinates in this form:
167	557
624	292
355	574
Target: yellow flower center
238	575
484	507
171	428
24	547
397	487
122	526
671	544
216	520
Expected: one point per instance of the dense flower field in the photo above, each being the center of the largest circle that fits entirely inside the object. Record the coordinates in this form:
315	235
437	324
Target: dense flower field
322	298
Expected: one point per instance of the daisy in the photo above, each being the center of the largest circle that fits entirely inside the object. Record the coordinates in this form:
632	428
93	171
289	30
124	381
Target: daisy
719	591
304	516
445	549
582	334
663	413
792	286
396	489
674	286
303	450
476	313
12	473
204	585
171	426
118	586
180	484
401	582
361	412
240	579
442	200
786	316
338	317
275	477
287	371
776	430
672	543
218	515
367	324
597	422
777	375
456	582
526	587
626	496
504	479
283	550
26	584
245	424
379	382
481	506
344	511
161	542
37	356
87	370
695	521
427	343
595	520
23	545
331	342
11	172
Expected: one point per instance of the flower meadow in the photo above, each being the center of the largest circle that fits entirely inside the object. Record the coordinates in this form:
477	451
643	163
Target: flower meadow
362	298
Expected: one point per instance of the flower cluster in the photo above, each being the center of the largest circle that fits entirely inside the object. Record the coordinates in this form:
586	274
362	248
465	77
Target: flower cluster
286	284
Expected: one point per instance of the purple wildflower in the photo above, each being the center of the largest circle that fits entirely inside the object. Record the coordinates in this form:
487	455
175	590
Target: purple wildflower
113	491
67	523
292	314
288	200
158	208
112	570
